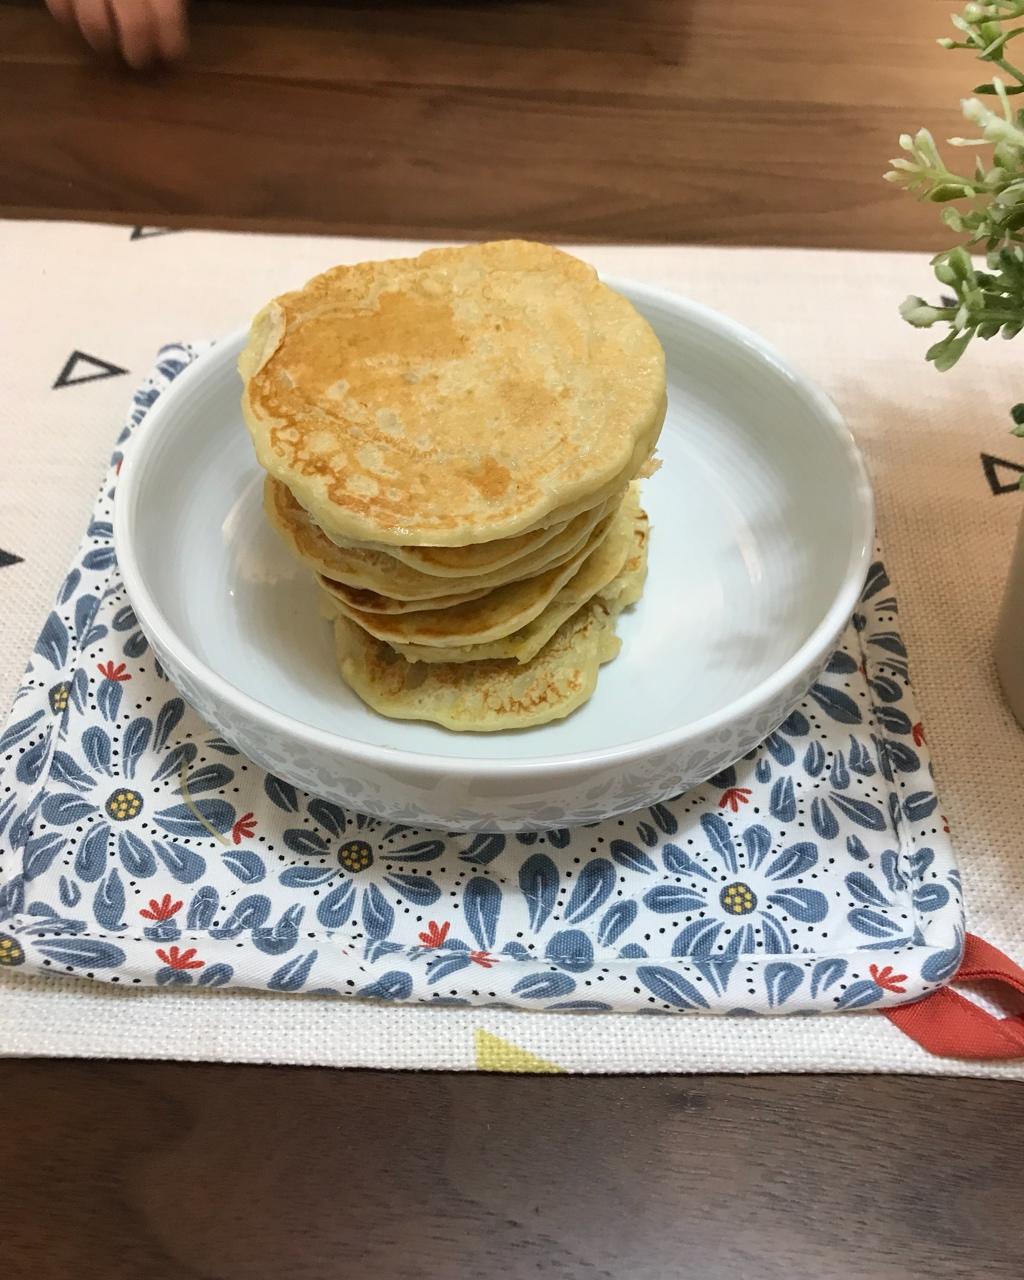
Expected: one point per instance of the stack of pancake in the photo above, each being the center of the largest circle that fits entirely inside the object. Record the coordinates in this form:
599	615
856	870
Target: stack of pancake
452	445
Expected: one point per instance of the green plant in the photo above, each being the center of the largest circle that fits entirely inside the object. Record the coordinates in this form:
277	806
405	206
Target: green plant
986	207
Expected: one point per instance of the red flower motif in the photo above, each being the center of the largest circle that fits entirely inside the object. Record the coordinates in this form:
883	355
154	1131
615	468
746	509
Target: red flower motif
945	823
178	959
887	980
244	828
734	797
918	732
435	934
162	910
484	960
109	672
117	469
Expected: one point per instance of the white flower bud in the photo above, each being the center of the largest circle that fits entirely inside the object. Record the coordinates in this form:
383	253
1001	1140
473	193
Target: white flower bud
919	313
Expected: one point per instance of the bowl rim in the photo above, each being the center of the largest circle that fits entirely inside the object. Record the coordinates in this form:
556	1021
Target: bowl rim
814	648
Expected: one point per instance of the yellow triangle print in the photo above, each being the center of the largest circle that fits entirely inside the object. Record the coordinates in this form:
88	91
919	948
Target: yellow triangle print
495	1054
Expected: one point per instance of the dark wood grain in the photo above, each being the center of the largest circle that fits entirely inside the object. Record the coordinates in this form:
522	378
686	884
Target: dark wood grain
168	1172
753	121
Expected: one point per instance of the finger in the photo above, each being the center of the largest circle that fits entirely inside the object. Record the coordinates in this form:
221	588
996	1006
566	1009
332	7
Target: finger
136	32
61	10
171	27
96	23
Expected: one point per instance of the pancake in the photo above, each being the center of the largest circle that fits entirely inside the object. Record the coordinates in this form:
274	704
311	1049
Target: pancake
505	558
628	586
373	602
366	569
616	571
466	561
356	572
489	696
481	697
483	557
461	397
497	614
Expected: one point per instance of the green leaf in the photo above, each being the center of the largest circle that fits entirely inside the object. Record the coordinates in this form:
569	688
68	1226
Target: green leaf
946	353
991	89
944	191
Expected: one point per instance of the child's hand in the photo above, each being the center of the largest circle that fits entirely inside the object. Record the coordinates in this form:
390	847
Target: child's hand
142	31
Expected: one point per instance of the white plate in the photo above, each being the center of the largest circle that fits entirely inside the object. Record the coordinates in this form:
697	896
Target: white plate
762	523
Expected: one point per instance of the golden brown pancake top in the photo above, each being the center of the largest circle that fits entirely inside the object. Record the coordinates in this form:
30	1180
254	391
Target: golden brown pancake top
458	397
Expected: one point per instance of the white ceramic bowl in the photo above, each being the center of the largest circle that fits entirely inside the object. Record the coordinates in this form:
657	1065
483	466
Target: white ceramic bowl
762	527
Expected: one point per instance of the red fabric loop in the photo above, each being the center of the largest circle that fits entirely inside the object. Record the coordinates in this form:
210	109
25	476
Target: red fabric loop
950	1026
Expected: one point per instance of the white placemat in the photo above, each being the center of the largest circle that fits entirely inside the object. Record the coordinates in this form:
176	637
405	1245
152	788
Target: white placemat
96	304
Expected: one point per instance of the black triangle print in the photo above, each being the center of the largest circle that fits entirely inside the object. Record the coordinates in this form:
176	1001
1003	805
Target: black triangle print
92	368
147	233
8	558
1001	483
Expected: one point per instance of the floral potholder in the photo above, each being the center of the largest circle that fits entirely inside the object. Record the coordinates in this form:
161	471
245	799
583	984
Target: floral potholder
137	847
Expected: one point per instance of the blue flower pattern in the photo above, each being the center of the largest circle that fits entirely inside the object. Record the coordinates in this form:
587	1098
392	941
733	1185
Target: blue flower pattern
136	847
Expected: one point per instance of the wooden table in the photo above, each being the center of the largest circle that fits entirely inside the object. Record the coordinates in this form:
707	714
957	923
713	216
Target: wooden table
168	1172
753	121
743	122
